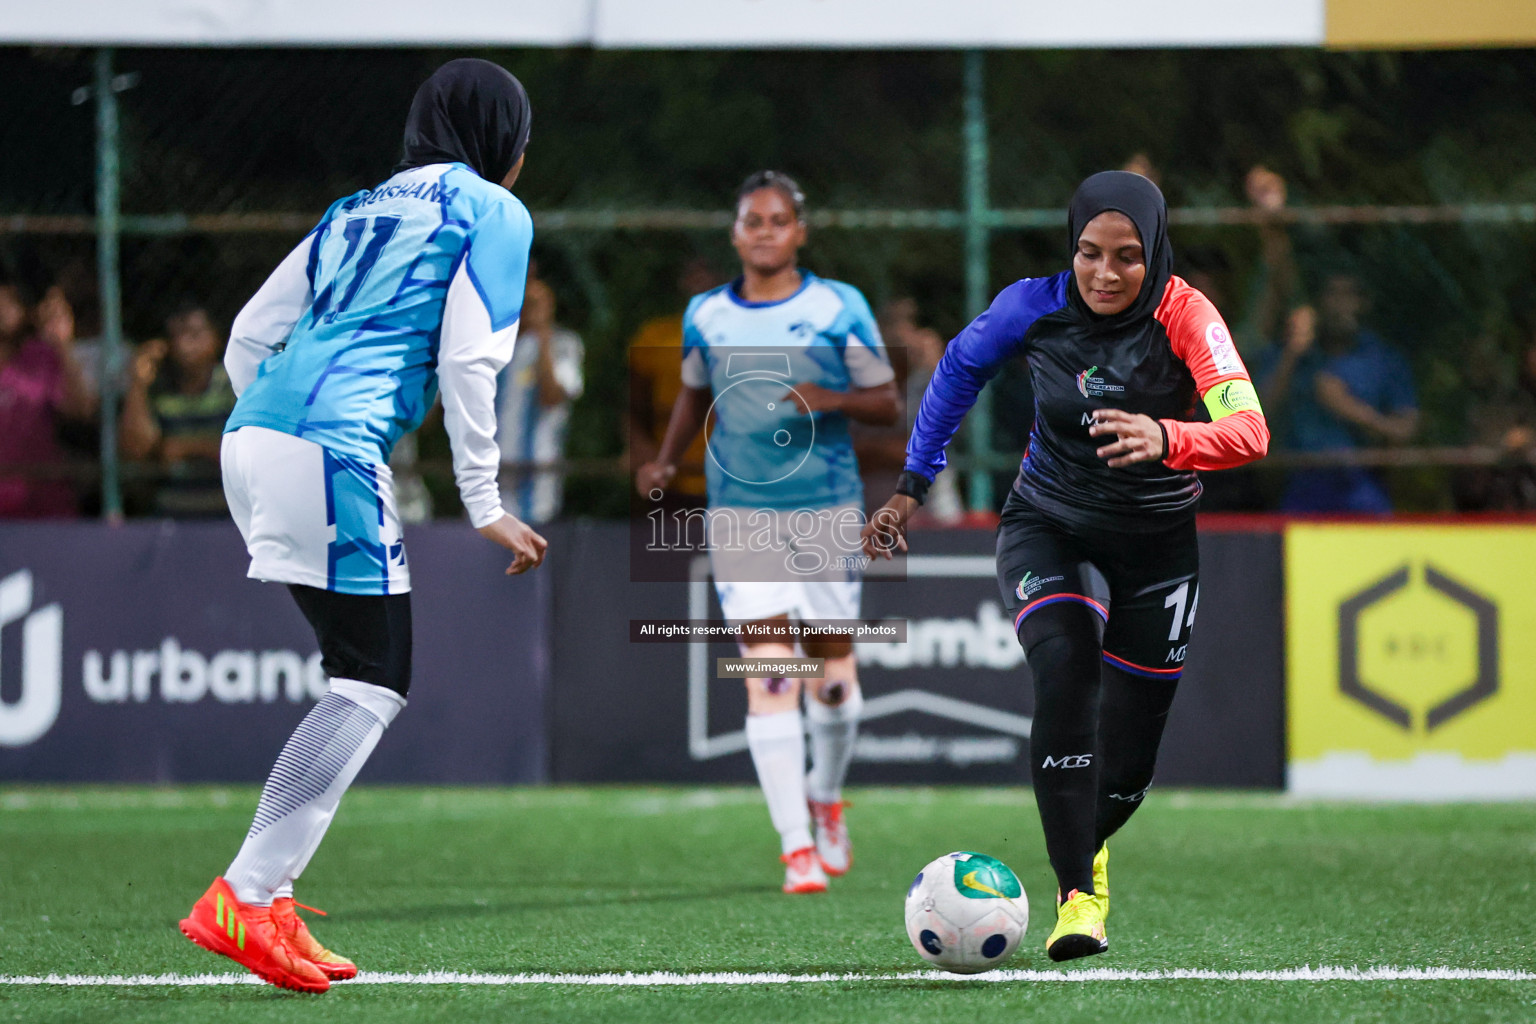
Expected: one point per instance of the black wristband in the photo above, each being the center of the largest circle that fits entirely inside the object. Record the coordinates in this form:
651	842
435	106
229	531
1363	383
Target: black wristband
913	485
1164	429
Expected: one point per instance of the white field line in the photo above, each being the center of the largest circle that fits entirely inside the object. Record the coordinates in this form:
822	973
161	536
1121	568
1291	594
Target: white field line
665	978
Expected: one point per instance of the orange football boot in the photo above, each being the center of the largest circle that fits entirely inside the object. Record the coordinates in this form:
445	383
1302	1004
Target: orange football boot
291	927
247	935
832	844
803	872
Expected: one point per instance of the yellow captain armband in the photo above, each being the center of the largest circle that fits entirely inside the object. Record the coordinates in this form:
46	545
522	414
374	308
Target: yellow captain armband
1231	396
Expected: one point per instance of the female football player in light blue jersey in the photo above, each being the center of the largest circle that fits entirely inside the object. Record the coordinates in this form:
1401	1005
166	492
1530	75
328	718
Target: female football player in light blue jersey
782	360
411	287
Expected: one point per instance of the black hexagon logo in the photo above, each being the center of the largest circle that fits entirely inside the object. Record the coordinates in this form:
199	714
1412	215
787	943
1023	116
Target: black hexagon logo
1484	684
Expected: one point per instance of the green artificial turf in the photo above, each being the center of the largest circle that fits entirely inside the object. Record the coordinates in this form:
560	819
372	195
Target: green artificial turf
92	882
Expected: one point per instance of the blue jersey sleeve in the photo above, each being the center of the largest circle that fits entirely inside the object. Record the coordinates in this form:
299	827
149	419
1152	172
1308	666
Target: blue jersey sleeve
972	359
695	372
864	352
496	260
858	319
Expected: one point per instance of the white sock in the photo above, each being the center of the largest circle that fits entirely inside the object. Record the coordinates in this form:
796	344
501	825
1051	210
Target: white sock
777	743
317	764
833	731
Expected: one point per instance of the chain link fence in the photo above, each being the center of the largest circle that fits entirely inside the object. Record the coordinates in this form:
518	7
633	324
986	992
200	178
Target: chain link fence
228	156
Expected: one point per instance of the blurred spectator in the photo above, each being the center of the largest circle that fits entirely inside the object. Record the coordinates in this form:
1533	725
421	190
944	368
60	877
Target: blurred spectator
1505	419
1253	319
1275	289
882	451
533	399
174	411
655	378
41	386
1332	385
81	439
1140	163
77	280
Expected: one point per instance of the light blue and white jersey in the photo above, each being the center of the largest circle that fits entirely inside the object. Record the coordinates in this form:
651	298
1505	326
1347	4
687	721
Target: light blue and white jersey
413	285
763	451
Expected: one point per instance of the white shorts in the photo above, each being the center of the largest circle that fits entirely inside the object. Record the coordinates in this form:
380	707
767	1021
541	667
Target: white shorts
313	517
804	563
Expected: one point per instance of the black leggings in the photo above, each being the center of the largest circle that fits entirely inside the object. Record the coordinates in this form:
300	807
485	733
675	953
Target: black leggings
1094	744
362	637
1104	618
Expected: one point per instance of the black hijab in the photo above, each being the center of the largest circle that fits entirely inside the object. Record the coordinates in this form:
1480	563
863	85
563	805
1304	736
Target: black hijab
1140	200
470	111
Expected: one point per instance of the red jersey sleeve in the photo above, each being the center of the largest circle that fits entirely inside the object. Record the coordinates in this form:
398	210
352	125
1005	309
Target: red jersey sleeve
1237	433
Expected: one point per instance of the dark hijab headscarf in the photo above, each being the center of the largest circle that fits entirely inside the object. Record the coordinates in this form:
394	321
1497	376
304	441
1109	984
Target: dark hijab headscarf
1140	200
470	111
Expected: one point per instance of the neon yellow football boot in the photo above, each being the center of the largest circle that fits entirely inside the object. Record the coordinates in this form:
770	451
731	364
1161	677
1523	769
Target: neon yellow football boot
1079	928
1101	880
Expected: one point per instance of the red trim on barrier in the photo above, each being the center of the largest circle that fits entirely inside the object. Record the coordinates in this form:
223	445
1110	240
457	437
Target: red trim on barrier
1276	522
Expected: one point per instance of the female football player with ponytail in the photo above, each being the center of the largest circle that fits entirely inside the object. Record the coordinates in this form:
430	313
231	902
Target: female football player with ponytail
1137	386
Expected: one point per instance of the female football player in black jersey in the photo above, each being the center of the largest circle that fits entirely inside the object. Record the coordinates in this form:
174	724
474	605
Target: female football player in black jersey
1137	386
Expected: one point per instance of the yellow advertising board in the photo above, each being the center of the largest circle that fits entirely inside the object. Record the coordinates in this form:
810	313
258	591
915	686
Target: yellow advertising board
1411	661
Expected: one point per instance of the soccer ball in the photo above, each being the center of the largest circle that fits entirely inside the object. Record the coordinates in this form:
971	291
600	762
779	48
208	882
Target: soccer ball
966	912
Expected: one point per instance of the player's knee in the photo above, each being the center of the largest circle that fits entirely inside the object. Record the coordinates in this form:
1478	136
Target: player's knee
767	695
839	684
772	694
1067	629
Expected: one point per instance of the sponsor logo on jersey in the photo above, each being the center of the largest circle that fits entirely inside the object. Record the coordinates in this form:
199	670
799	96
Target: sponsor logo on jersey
1223	352
1031	584
1067	761
1090	386
802	328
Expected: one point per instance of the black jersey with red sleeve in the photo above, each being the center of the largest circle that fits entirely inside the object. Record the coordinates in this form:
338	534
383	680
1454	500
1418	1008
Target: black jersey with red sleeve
1178	366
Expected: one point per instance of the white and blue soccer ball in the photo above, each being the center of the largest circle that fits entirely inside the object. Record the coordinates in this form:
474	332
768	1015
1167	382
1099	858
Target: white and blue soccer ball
966	912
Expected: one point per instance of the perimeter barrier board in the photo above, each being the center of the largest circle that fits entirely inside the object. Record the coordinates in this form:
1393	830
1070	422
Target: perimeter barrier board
142	653
952	705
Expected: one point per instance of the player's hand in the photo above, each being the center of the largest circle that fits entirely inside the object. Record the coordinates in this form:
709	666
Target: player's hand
654	476
809	398
886	531
147	360
517	537
1138	438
